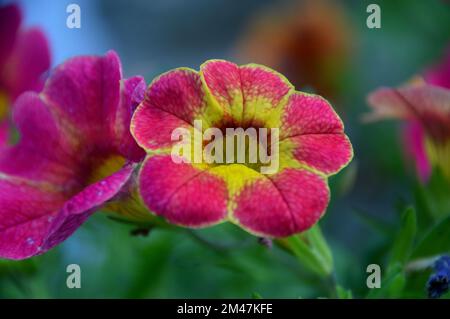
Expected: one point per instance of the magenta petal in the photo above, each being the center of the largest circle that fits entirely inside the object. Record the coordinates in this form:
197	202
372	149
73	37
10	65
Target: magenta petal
414	136
29	59
41	142
4	133
440	74
85	91
94	104
181	193
10	19
282	205
76	210
132	93
26	212
327	153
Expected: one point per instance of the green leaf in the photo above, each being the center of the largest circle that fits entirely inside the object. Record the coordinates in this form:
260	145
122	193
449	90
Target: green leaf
392	285
316	240
343	293
256	295
404	241
435	242
311	249
375	223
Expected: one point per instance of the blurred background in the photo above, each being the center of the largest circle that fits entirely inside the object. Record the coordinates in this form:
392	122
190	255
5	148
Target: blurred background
321	46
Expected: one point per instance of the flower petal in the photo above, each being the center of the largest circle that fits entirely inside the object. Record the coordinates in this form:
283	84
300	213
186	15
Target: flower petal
428	104
132	93
181	193
326	153
41	141
414	138
173	100
439	74
28	61
4	133
223	81
264	90
83	92
244	93
309	114
282	205
26	212
76	210
10	18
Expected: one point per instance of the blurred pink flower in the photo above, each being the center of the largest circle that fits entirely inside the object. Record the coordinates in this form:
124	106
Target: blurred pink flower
425	105
75	154
24	56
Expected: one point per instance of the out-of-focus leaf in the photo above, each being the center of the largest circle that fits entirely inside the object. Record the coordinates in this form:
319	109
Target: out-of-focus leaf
376	224
432	200
392	285
317	241
404	241
346	180
343	293
311	250
256	295
435	242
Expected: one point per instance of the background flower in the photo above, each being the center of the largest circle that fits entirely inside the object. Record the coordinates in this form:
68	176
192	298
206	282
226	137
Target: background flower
425	105
308	41
312	147
24	56
75	153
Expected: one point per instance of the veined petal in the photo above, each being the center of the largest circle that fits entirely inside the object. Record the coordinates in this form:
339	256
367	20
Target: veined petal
281	205
309	114
44	152
77	209
325	153
245	94
182	193
82	92
173	100
222	80
26	213
132	93
265	92
428	104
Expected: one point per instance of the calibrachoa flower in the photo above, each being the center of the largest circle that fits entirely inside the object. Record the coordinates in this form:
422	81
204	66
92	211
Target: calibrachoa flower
75	154
312	146
24	56
425	105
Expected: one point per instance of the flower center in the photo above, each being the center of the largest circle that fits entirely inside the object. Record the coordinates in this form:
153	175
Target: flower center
4	105
103	166
249	145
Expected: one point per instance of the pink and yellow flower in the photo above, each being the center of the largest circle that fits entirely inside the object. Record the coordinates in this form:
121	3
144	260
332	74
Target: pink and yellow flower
24	56
312	146
75	154
425	106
